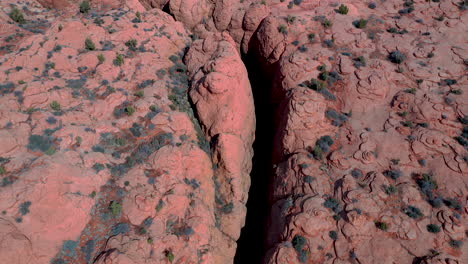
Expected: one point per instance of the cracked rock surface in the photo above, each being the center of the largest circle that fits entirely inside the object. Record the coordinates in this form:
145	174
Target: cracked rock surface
126	130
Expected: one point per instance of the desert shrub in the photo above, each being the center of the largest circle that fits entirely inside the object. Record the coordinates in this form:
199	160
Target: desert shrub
101	58
299	243
89	44
24	207
290	19
394	30
356	173
55	106
85	6
139	94
322	146
397	57
303	48
372	5
381	225
393	174
119	60
98	148
360	62
452	203
455	243
413	212
38	142
137	130
337	118
169	255
433	228
283	29
120	228
390	189
333	204
131	44
361	23
115	208
192	183
343	9
17	16
426	184
326	23
333	235
98	167
137	18
51	120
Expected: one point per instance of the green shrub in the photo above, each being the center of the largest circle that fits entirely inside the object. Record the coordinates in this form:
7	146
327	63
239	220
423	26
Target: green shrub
390	189
115	208
119	60
290	19
17	16
332	203
283	29
85	6
433	228
42	143
326	23
299	243
101	58
343	9
361	23
55	106
139	94
381	225
130	110
169	255
413	212
89	44
131	44
397	57
333	235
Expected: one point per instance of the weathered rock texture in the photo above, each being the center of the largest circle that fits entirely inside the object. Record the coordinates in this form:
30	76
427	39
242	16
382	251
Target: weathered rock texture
126	132
370	151
102	157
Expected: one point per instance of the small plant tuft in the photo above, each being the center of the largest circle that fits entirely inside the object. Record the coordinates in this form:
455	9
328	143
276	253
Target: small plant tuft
17	16
343	9
85	6
55	106
101	58
89	44
381	225
397	57
433	228
361	23
131	44
119	60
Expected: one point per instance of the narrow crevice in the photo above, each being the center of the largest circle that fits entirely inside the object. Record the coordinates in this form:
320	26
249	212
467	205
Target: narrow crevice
250	246
167	9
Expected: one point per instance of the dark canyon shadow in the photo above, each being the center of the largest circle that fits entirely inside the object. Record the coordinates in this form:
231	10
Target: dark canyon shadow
250	246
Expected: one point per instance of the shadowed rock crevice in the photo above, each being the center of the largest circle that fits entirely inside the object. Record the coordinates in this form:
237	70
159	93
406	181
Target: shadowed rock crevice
250	246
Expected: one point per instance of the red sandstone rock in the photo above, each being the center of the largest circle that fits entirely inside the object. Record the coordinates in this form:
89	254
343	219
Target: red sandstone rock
104	160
